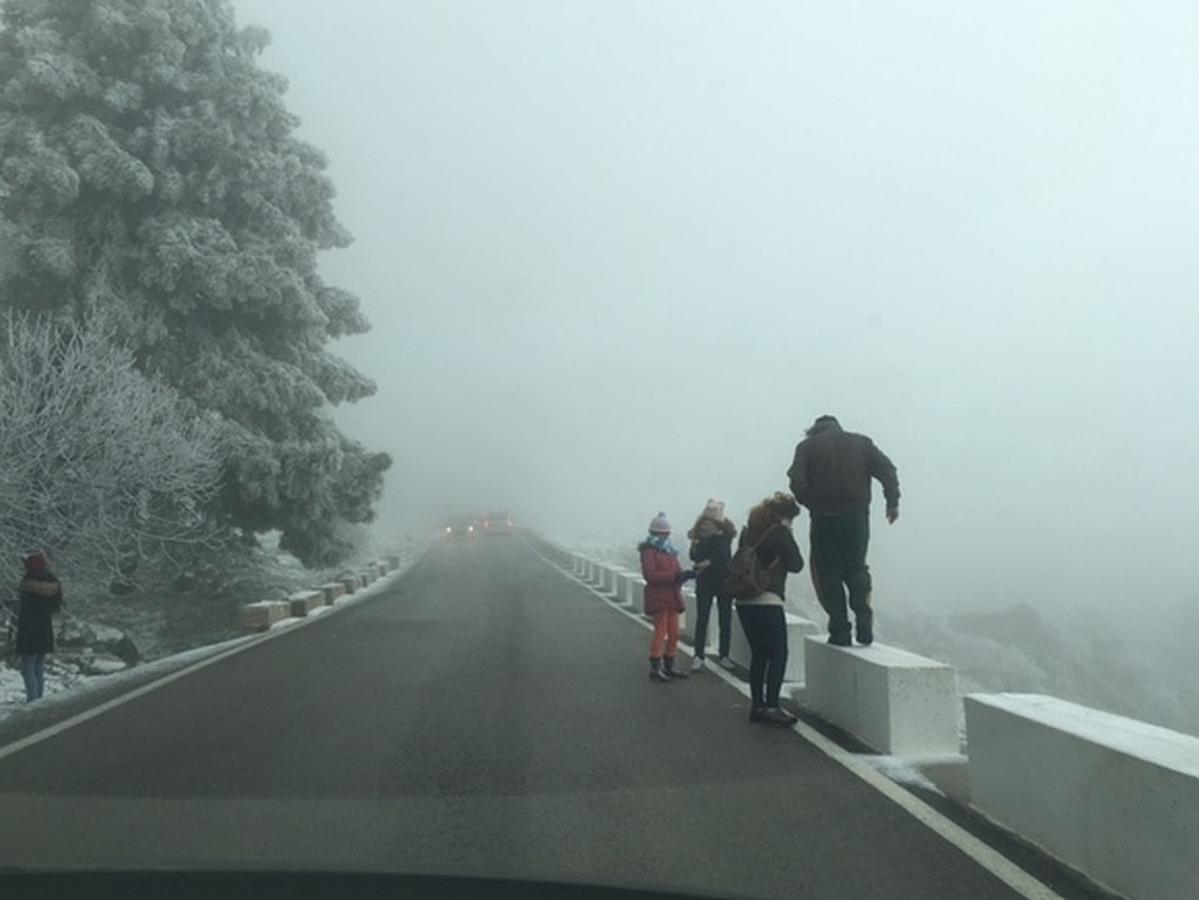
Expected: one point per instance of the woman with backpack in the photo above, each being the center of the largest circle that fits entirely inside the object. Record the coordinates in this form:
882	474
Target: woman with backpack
711	549
664	578
758	579
41	598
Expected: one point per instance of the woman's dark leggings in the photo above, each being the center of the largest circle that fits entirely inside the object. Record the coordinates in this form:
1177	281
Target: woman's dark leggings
704	595
766	629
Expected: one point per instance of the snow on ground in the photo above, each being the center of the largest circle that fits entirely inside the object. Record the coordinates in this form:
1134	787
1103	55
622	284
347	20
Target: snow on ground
900	771
60	687
66	683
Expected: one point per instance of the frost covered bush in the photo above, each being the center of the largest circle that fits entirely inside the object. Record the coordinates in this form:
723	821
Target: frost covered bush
149	170
102	466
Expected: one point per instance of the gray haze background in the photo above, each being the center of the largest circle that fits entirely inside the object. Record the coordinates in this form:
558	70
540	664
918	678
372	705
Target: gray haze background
618	255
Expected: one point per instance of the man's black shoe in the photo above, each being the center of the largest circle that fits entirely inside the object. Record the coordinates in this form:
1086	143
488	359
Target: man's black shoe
840	640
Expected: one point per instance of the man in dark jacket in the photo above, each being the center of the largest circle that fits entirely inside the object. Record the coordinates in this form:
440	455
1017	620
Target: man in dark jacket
41	598
831	476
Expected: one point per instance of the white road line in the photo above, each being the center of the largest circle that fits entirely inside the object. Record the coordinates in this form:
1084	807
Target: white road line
985	855
79	718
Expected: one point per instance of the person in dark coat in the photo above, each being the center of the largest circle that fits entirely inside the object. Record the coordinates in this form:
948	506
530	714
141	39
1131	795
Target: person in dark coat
41	598
763	617
831	475
711	549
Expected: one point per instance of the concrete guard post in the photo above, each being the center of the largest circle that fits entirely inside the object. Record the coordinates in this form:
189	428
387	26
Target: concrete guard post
262	615
304	602
1115	798
896	702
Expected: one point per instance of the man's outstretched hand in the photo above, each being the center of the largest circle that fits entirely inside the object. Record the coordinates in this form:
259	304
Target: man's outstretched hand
892	514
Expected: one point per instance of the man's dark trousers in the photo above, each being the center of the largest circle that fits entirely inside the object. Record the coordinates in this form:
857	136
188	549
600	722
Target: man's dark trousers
839	542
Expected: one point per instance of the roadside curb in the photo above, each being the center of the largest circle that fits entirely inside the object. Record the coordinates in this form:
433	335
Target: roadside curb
240	645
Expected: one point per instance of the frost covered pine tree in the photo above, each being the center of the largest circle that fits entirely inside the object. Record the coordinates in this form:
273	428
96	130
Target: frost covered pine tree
101	463
149	169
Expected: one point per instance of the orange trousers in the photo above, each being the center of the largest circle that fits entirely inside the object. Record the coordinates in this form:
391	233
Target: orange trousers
666	634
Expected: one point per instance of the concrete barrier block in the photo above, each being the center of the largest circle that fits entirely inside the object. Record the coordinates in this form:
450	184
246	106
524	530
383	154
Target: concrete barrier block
1116	798
738	643
607	579
393	562
798	630
616	591
367	577
350	583
262	615
304	602
894	701
381	567
597	575
332	591
632	589
687	625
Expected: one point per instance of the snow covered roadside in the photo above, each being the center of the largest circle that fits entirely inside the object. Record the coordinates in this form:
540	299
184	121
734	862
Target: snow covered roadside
65	684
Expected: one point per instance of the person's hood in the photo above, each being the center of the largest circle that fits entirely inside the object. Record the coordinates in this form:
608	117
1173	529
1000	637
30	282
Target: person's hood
823	425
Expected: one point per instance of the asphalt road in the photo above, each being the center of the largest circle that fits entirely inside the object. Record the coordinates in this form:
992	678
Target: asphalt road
485	716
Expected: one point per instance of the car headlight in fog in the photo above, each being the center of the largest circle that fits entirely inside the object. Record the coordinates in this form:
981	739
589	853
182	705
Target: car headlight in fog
449	529
470	528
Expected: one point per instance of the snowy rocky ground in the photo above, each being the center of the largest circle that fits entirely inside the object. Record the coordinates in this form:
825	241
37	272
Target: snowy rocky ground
1122	661
99	639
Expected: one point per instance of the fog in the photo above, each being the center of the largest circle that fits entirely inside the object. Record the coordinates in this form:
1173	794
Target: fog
618	256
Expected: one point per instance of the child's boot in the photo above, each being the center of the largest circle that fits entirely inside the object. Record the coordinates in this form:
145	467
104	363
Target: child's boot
656	672
671	672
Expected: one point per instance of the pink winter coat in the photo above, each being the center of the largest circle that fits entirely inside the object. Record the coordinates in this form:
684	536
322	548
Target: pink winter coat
661	573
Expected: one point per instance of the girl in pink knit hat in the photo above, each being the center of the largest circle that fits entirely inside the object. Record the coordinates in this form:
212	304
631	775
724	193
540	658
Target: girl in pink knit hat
664	578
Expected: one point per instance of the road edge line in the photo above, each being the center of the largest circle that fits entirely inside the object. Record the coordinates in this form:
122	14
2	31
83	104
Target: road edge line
1011	874
246	644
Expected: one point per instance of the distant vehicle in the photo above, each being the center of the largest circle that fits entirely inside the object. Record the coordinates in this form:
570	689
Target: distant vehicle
498	523
460	527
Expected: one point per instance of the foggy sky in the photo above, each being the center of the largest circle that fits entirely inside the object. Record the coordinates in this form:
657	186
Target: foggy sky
618	255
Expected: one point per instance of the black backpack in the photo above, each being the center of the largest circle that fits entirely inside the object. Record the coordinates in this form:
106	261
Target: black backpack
747	576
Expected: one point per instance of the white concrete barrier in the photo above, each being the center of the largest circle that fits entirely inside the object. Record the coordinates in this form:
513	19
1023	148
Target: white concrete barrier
619	577
894	701
393	562
1116	798
691	607
633	590
262	615
332	591
350	583
304	602
605	578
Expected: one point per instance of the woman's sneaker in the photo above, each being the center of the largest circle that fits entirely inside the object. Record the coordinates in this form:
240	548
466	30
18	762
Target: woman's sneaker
725	663
697	664
779	717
